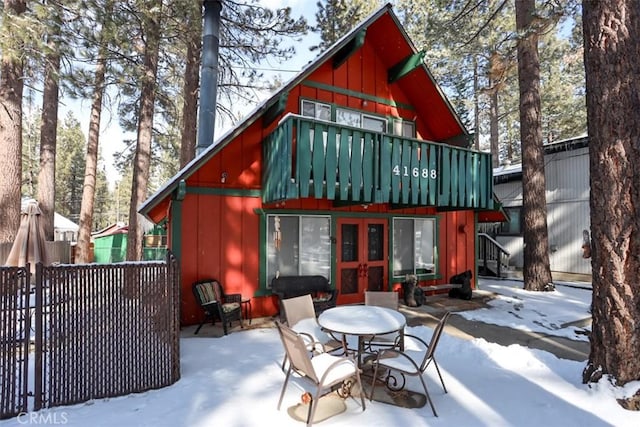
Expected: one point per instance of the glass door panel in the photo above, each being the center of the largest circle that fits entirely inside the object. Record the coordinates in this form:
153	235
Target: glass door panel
375	279
375	246
349	244
361	258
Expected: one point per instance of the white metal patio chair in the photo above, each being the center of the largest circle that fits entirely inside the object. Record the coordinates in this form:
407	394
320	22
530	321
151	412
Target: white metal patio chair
411	362
301	317
386	300
325	372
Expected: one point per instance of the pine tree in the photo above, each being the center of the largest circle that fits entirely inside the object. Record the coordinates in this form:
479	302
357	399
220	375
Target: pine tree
470	49
31	124
46	177
103	202
250	34
191	83
70	163
90	184
536	271
611	47
151	22
11	87
335	18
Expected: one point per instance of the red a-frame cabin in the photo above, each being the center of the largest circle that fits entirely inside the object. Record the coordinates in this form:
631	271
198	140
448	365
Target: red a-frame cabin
358	169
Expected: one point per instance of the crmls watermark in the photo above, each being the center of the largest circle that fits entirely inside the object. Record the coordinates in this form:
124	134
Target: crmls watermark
38	418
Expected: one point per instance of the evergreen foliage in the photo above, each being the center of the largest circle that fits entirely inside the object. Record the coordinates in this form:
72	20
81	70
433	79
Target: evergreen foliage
70	158
80	34
335	18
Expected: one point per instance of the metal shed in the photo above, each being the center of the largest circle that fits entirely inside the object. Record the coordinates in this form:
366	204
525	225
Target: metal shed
567	181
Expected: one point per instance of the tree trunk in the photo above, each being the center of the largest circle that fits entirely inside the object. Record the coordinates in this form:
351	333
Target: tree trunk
612	46
476	106
83	249
536	271
496	77
493	127
48	131
190	90
142	158
11	85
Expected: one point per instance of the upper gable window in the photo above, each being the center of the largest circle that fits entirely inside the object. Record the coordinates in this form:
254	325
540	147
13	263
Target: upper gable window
358	119
317	110
375	124
345	116
404	128
348	117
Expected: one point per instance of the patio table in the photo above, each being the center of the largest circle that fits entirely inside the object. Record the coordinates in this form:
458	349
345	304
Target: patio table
362	321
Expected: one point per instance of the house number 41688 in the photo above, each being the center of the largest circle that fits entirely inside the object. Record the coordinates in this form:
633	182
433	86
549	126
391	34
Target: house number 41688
415	172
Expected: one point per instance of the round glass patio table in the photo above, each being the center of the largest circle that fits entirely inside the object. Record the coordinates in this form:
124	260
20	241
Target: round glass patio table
362	321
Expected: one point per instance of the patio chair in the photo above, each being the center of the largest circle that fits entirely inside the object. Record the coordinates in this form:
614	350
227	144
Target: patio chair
300	316
411	362
387	300
381	299
215	303
325	372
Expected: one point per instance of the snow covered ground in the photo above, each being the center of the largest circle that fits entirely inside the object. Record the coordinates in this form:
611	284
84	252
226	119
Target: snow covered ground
235	380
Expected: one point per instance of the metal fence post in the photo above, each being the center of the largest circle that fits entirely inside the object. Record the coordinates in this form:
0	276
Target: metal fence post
37	372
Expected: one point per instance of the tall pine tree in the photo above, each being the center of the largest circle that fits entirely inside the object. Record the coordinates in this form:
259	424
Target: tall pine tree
536	271
11	87
612	46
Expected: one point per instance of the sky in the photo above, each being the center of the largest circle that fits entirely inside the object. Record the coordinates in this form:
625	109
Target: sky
235	380
112	136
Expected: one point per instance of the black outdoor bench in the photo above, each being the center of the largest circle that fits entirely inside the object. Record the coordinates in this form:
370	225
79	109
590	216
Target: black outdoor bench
322	294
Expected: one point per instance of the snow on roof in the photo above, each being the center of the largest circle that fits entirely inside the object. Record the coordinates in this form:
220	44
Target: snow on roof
507	169
61	223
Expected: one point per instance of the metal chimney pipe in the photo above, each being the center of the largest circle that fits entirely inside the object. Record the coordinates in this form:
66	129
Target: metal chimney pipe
209	74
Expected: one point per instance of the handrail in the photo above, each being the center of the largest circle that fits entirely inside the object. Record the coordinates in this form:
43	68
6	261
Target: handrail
495	242
491	250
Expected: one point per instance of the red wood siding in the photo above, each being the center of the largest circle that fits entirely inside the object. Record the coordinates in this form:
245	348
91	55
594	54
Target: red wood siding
240	160
220	239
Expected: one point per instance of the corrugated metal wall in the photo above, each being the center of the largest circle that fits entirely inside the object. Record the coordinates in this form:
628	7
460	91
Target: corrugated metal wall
567	179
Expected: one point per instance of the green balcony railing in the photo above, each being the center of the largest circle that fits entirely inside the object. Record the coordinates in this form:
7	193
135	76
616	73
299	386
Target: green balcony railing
309	158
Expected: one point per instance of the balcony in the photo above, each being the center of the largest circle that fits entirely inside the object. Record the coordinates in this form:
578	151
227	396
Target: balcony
305	158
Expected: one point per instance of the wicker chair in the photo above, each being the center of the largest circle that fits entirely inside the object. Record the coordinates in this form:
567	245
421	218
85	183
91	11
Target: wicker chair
216	304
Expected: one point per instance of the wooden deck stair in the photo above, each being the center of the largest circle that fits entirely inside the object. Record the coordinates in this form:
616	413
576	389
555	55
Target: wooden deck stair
493	259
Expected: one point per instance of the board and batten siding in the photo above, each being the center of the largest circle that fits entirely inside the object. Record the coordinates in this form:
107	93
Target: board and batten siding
567	181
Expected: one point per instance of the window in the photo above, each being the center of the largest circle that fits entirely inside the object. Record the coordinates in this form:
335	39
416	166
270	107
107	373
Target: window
514	226
375	124
404	128
357	119
316	110
348	117
298	245
414	246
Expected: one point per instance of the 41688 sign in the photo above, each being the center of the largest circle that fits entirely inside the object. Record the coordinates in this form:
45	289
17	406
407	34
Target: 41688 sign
415	172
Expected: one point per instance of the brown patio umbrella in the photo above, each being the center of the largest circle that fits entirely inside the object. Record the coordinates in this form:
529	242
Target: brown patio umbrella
28	247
